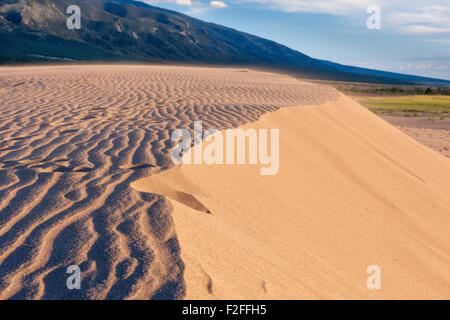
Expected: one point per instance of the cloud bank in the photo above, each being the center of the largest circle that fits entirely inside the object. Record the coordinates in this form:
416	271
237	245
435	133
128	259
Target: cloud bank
411	17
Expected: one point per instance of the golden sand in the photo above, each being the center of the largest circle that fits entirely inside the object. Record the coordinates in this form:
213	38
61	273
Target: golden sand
352	192
86	179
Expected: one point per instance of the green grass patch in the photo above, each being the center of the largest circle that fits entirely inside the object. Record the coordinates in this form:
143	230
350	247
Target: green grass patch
431	106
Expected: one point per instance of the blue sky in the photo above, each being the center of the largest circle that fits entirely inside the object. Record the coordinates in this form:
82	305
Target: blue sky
414	37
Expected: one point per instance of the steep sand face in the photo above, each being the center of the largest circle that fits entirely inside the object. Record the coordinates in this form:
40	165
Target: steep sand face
74	138
352	191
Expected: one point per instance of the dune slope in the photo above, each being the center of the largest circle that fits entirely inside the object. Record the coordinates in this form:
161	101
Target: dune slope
72	141
352	192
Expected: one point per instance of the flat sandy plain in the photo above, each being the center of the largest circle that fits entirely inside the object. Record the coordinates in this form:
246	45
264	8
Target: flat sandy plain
432	133
86	179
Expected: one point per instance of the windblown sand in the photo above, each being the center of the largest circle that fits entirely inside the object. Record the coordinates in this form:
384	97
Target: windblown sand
86	179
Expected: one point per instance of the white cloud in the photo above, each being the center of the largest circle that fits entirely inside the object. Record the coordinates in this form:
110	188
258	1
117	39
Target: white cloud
218	4
444	41
315	6
180	2
183	2
414	17
424	29
419	19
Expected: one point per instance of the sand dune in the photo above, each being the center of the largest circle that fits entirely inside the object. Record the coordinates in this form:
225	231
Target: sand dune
74	139
352	191
86	179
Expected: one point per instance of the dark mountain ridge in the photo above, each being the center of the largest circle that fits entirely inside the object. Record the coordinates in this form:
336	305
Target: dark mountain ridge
131	31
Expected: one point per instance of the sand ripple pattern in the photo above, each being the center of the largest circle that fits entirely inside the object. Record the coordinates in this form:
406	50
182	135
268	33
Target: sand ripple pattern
74	138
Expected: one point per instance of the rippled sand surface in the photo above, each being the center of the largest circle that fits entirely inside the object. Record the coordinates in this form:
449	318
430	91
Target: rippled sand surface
72	141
